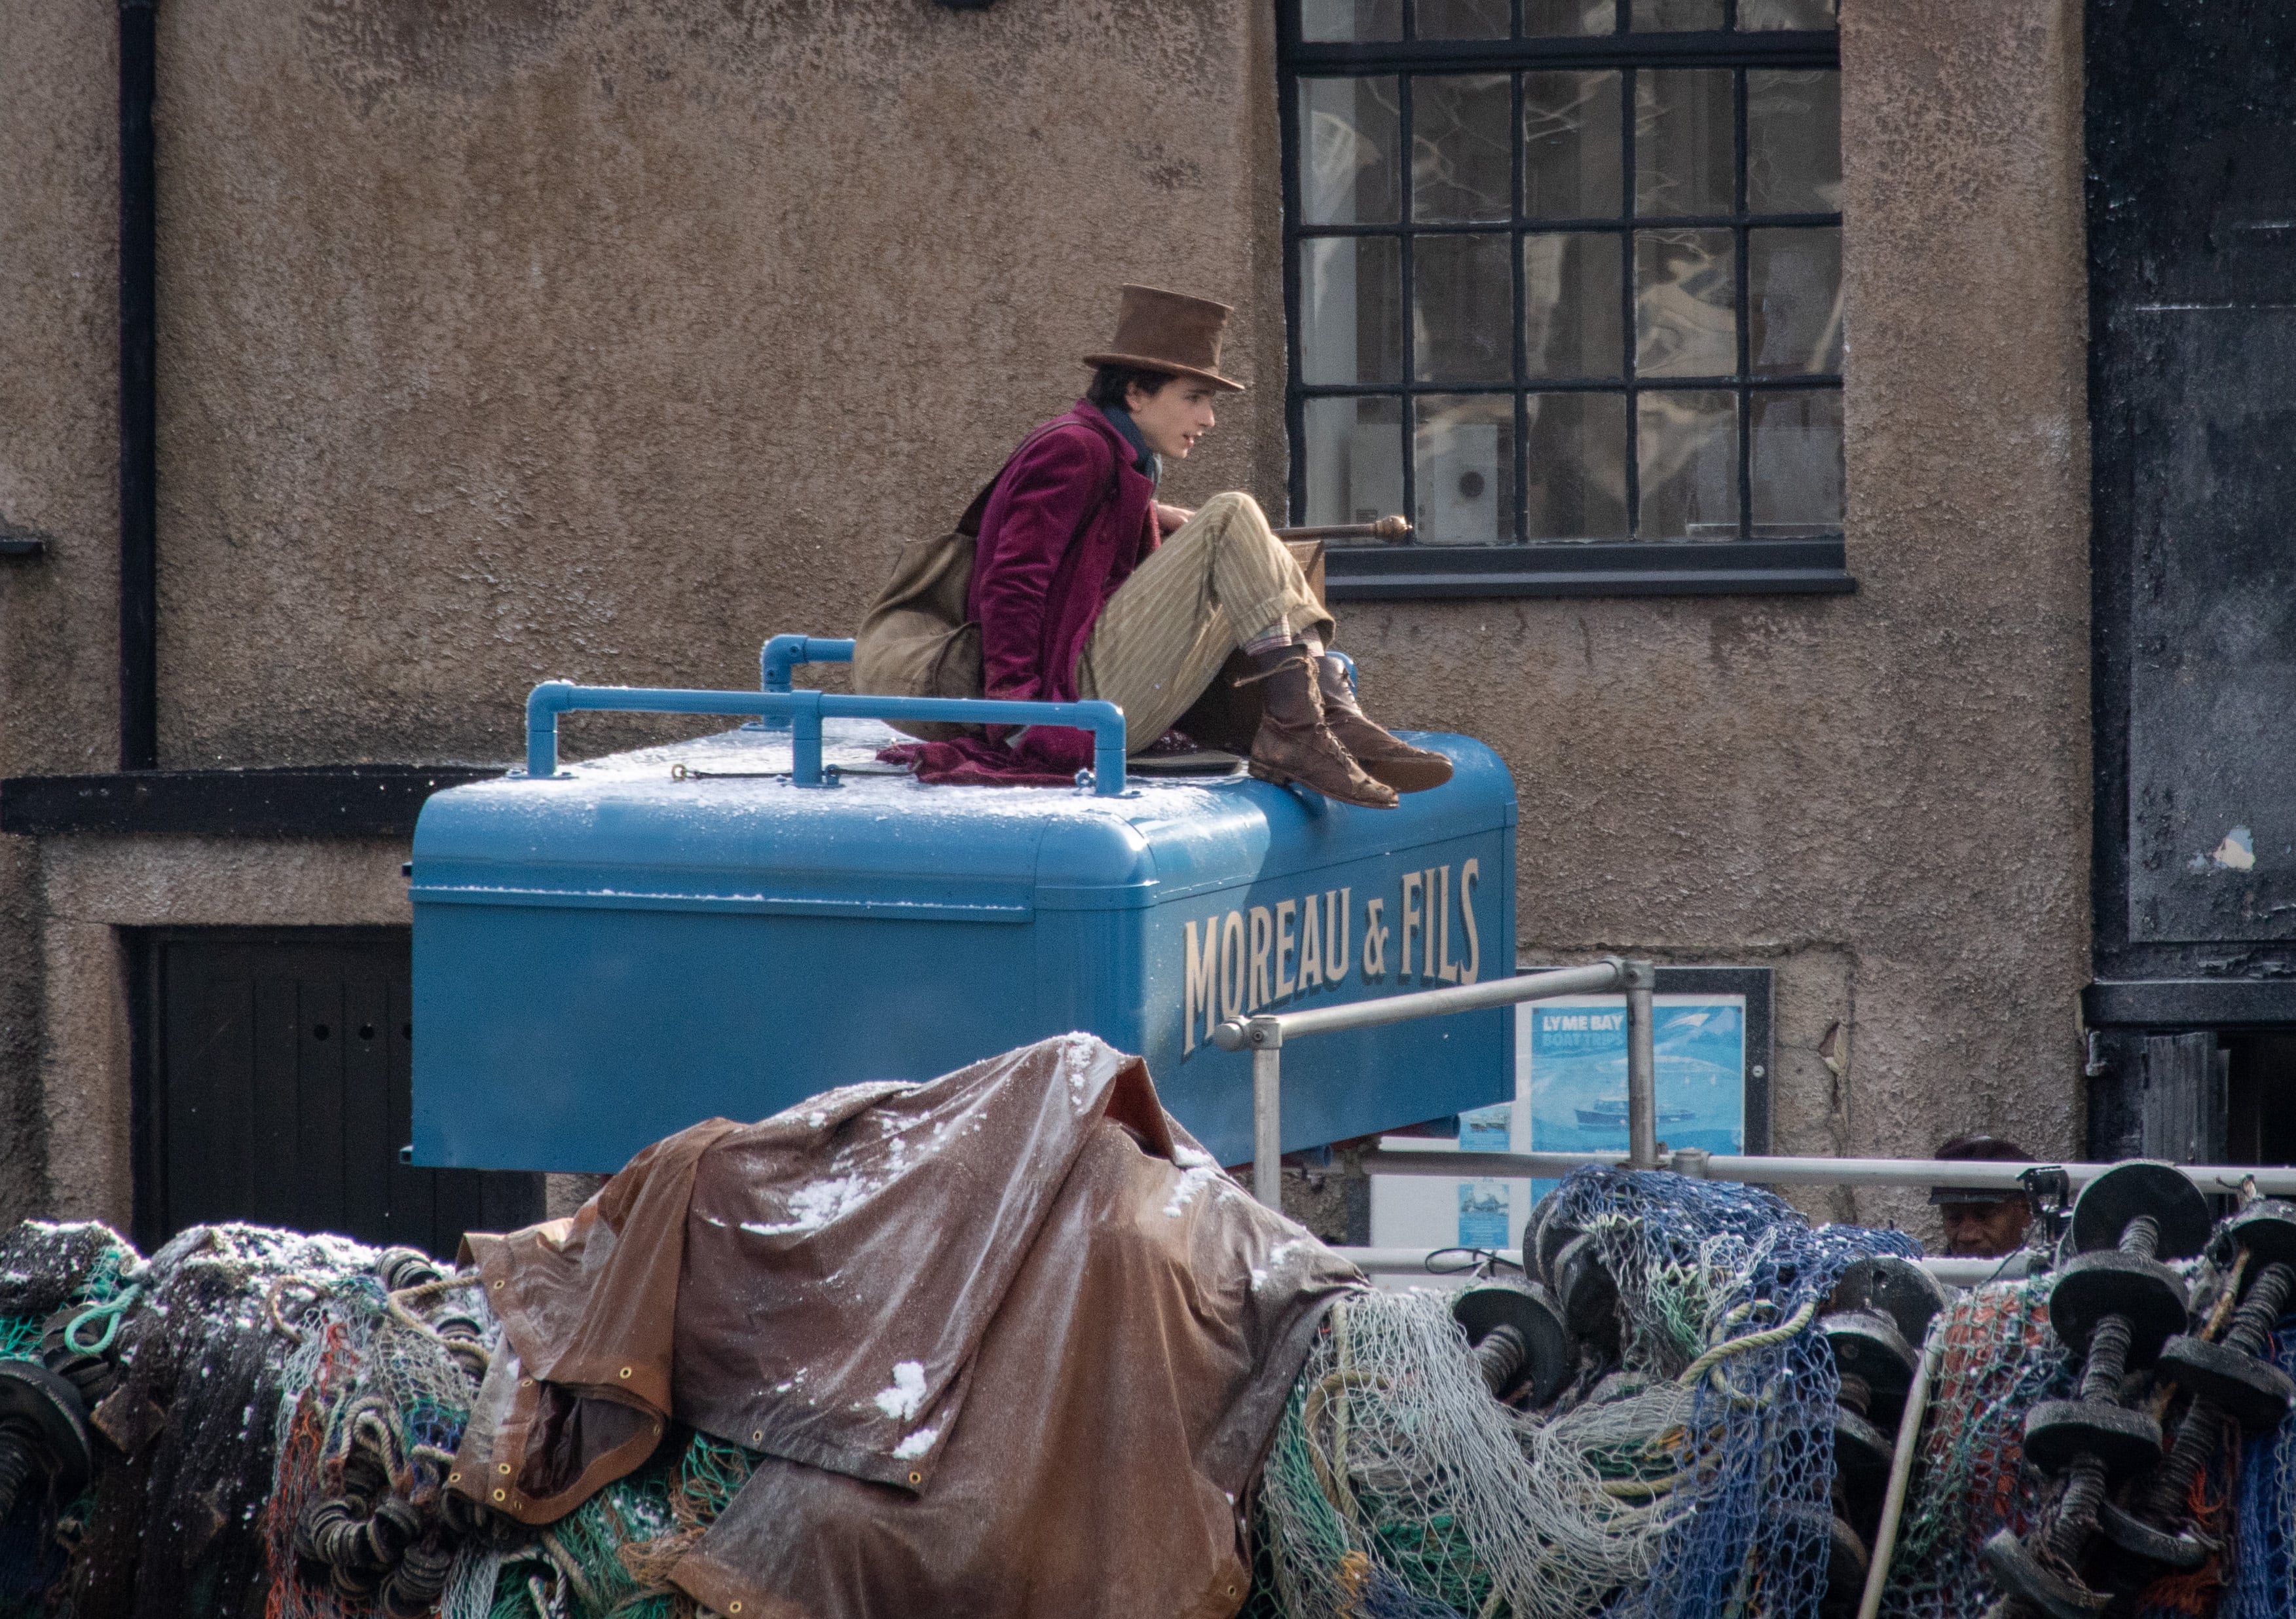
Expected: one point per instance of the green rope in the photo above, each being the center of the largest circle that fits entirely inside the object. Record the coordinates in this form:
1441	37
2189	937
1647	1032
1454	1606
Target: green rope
109	1311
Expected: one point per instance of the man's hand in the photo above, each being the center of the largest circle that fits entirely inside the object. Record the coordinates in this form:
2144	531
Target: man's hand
1168	518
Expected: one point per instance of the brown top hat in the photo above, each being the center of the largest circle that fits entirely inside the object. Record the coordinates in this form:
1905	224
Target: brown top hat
1168	331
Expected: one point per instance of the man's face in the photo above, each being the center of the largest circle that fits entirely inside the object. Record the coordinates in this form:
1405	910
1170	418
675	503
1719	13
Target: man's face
1173	417
1986	1230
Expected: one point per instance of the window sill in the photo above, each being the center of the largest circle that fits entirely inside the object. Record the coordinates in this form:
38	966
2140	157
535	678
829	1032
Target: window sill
1754	567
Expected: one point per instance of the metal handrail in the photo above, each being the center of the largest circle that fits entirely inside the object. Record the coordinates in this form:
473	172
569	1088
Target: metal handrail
1267	1030
2218	1180
1264	1033
805	710
1952	1270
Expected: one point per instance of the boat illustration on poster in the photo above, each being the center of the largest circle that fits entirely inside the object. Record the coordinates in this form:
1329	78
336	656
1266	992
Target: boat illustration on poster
1612	1114
1573	1056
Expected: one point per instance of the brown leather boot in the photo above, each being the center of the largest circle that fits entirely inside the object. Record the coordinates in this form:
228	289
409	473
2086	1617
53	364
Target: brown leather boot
1295	744
1383	757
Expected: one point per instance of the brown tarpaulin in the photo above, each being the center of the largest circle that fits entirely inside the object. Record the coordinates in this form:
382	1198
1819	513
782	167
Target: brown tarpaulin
1010	1342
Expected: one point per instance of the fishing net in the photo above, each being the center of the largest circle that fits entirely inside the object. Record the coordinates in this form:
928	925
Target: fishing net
1998	1358
278	1415
275	1417
181	1500
44	1266
611	1558
2262	1571
373	1399
56	1280
1691	1474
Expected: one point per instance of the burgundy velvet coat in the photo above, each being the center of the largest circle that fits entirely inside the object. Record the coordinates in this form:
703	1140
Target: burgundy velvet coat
1056	540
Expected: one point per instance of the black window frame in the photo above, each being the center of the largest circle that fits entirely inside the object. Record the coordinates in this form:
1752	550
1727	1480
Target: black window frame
1629	567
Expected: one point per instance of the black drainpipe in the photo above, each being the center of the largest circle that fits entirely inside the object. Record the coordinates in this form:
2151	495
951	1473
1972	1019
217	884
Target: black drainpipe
139	433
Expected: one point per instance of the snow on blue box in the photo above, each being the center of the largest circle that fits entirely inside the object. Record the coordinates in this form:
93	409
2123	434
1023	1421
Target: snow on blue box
607	952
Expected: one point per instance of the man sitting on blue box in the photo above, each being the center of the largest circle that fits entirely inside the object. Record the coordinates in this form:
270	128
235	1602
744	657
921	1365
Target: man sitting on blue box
1086	586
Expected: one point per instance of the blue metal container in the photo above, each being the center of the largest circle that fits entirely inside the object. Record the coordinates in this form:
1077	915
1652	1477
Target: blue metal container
607	953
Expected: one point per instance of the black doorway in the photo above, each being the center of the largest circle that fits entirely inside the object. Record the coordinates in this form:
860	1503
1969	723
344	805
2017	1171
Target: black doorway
272	1085
2191	137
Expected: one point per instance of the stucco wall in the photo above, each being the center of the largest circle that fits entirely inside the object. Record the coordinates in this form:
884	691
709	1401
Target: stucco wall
58	460
568	338
602	338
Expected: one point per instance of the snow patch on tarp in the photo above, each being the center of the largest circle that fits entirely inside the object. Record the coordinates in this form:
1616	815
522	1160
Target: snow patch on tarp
1191	1182
815	1204
906	1395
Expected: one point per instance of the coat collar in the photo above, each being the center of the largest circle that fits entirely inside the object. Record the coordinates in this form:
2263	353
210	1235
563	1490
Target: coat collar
1091	415
1144	461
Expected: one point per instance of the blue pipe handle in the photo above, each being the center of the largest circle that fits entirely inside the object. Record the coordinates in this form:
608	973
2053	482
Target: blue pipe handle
805	710
782	654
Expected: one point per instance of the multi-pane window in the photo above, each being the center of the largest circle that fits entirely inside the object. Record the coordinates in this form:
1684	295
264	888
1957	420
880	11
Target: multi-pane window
1566	270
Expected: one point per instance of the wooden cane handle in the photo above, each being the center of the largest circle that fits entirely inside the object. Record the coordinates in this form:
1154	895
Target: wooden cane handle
1386	528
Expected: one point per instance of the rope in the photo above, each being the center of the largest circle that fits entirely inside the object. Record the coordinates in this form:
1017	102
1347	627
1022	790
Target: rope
278	1291
1330	1472
1729	1347
108	1312
399	1302
2229	1298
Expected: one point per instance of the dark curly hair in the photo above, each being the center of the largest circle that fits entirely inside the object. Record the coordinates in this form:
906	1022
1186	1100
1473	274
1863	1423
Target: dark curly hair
1111	384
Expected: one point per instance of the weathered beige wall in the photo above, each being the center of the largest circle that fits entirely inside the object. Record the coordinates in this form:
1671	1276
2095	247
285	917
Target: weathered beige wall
561	337
58	469
548	337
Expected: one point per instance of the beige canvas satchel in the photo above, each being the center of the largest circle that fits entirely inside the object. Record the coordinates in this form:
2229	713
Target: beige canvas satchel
916	639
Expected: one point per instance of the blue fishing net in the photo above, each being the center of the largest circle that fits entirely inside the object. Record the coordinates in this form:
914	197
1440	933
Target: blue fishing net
1694	1479
2263	1573
1720	1286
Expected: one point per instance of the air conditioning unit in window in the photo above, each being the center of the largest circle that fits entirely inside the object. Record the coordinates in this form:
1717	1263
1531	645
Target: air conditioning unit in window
1459	486
1375	472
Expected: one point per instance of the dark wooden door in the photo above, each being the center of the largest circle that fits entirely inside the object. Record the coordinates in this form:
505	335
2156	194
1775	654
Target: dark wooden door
2187	1084
277	1089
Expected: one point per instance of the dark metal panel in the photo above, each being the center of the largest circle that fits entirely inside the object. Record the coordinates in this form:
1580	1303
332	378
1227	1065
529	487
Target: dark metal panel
2190	1003
2212	622
347	800
505	1202
2191	112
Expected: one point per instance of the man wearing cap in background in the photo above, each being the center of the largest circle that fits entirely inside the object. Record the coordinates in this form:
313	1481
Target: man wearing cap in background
1085	587
1982	1223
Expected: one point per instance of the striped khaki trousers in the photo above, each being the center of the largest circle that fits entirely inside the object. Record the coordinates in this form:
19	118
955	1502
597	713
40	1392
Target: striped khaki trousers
1219	581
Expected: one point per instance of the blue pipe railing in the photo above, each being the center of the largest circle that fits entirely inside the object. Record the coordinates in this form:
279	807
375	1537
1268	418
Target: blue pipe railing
805	711
784	653
777	657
